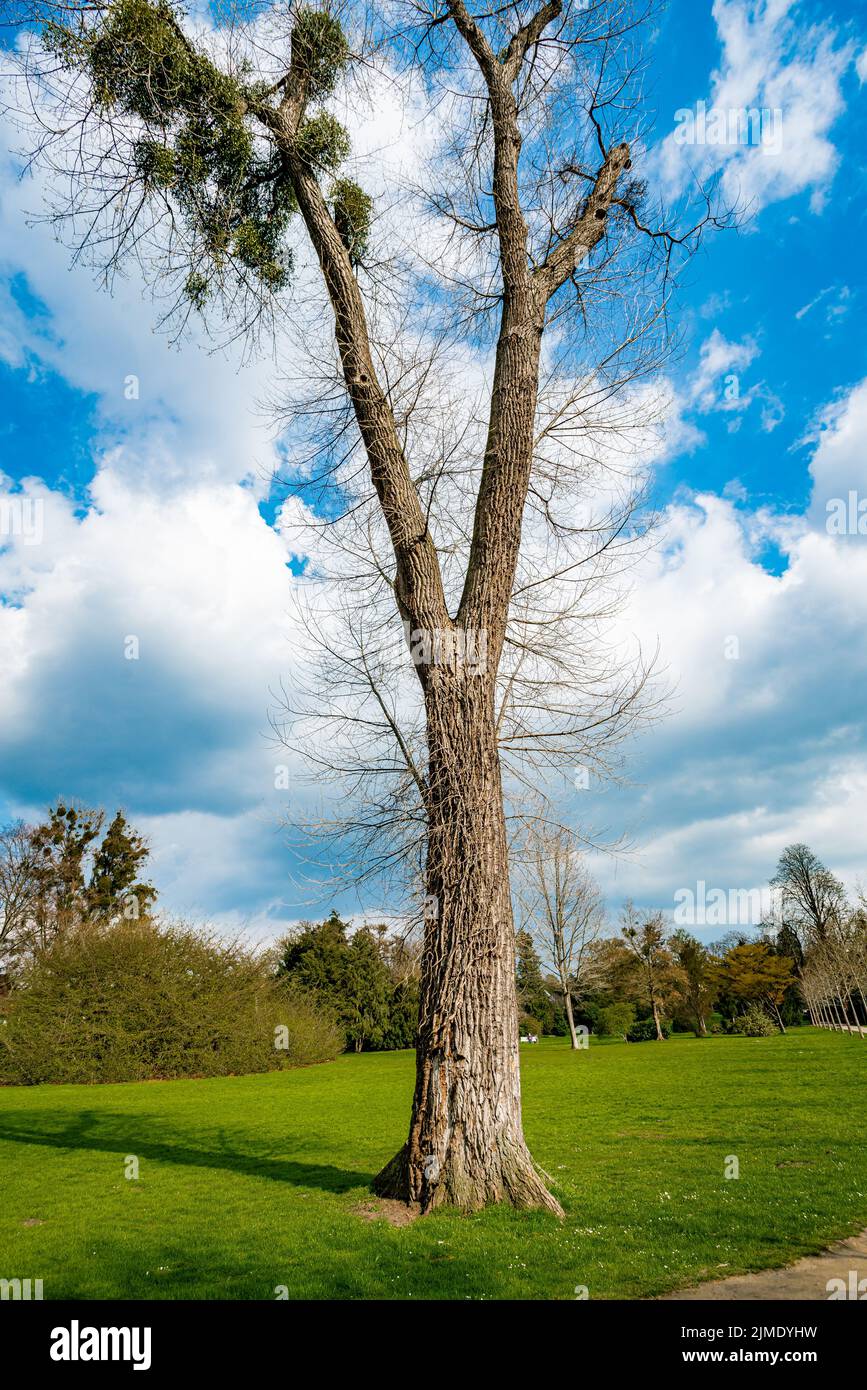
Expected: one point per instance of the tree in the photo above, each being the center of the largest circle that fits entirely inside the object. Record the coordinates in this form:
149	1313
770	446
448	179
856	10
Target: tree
532	994
59	875
197	159
754	973
643	938
564	910
17	889
698	983
367	991
615	1020
115	888
365	980
834	974
821	934
812	899
61	848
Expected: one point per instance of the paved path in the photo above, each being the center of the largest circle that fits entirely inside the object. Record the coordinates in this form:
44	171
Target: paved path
808	1279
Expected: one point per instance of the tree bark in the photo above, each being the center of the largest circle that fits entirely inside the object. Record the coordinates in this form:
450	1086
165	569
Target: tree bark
567	1000
655	1007
466	1146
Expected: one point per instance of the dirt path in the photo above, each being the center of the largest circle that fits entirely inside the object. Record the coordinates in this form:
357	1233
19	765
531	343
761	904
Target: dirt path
808	1279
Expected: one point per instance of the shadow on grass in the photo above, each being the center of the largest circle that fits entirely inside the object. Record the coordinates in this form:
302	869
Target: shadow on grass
148	1137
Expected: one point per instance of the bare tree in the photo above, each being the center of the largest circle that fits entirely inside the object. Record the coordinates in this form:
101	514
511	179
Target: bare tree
811	898
563	909
17	891
813	905
536	264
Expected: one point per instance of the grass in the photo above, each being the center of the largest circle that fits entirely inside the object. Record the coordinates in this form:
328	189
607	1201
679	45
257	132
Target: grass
247	1183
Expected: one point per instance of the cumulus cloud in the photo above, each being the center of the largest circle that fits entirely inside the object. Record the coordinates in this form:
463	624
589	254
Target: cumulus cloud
765	125
767	741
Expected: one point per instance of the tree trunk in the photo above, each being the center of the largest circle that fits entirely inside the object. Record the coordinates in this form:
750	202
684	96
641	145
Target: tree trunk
466	1145
567	999
655	1007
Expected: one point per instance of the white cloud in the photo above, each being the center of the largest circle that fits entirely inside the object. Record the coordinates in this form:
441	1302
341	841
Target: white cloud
772	61
717	384
767	740
839	463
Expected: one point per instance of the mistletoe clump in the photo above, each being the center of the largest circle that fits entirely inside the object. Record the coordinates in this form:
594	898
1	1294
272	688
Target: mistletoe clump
195	143
319	51
322	142
352	210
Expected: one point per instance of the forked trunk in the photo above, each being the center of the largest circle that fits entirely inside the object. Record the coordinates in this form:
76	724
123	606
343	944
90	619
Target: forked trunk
466	1145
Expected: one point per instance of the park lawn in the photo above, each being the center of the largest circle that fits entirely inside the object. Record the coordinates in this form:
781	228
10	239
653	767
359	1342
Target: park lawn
249	1183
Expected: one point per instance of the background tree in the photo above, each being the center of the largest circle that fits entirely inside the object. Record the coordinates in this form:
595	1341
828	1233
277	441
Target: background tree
365	979
114	888
657	976
812	898
822	935
699	989
59	875
61	848
195	153
754	973
17	891
533	999
563	910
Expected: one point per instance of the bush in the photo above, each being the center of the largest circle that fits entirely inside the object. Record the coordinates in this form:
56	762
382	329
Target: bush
615	1020
754	1022
527	1024
645	1030
136	1002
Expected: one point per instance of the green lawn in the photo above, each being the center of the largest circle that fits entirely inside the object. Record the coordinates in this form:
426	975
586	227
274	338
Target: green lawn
247	1183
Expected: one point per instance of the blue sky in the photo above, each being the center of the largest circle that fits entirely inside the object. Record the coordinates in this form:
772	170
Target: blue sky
157	523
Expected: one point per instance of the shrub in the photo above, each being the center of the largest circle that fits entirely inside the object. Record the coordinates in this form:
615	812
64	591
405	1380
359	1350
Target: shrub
754	1022
615	1020
528	1024
136	1001
644	1030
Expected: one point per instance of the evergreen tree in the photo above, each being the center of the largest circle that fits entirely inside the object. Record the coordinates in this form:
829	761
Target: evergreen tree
533	996
350	973
114	889
367	991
